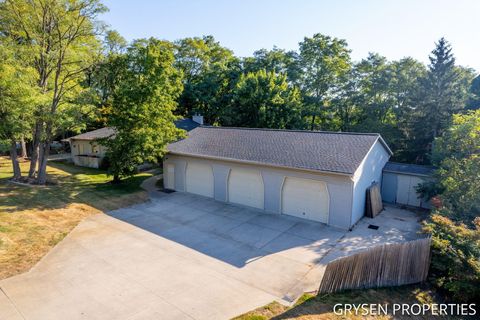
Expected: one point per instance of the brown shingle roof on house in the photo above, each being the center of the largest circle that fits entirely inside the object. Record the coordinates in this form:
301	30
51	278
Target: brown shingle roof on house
95	134
310	150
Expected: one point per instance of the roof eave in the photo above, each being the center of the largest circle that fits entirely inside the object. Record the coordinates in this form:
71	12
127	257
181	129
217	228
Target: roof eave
344	174
408	173
385	145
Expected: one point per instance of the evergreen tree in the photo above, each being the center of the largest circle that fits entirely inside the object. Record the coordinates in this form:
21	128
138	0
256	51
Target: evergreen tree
442	95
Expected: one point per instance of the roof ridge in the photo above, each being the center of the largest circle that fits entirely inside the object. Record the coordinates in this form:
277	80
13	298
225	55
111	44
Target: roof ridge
294	130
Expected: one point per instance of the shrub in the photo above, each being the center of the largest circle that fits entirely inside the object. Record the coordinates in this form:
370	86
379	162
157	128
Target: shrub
455	264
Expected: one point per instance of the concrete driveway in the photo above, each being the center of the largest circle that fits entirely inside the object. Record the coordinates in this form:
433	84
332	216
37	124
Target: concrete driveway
179	257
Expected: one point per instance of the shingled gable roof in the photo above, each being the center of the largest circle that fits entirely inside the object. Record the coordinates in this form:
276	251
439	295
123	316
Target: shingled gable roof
407	168
95	134
185	124
334	152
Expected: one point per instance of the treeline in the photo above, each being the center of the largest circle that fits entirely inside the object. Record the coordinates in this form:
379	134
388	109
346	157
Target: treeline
62	72
319	87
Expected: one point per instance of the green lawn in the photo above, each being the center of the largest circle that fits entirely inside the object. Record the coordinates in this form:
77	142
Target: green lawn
34	218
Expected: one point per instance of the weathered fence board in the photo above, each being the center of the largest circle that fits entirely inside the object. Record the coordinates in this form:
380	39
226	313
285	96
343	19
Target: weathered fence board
373	203
387	265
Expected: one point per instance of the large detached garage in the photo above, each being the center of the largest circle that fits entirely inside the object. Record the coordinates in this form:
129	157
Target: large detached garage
320	176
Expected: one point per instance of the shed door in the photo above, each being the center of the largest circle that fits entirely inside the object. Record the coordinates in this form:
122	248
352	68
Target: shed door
170	177
199	179
413	199
406	193
245	187
305	198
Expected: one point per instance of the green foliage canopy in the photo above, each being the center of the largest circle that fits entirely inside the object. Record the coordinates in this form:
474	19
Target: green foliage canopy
143	100
265	100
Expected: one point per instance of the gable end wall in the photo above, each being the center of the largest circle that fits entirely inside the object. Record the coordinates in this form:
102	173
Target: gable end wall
369	171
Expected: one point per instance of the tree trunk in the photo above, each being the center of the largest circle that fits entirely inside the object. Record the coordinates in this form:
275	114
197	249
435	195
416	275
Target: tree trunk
17	173
35	150
313	123
44	153
24	147
42	165
116	179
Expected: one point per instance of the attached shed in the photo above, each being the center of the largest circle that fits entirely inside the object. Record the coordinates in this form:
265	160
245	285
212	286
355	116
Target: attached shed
320	176
400	180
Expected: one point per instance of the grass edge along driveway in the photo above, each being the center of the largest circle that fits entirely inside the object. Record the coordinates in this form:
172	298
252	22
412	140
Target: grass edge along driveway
33	219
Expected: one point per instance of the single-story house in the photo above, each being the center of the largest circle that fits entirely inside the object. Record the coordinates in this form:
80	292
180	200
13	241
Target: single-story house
399	184
321	176
87	152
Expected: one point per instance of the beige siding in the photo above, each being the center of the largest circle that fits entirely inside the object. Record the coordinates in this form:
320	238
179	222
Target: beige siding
87	153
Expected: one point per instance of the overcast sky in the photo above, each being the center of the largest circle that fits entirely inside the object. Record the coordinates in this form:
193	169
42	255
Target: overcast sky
393	28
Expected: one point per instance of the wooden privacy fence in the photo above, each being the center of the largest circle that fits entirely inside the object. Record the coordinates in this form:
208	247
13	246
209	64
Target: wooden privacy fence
382	266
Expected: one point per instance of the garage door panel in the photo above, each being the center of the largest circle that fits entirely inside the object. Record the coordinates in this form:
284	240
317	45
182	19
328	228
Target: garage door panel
245	187
199	179
305	198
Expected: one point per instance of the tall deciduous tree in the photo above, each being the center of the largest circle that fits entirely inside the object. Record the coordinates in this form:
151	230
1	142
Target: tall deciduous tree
386	96
265	100
208	70
457	154
17	98
276	60
105	75
143	100
474	99
61	38
455	226
322	63
405	88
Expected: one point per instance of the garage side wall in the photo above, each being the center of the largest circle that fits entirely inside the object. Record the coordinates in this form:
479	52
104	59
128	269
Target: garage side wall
369	171
339	187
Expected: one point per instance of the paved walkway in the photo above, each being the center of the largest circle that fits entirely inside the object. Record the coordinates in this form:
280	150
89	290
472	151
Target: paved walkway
150	185
181	256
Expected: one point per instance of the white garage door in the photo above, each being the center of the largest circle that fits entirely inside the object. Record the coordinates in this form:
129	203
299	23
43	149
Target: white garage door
199	179
305	198
246	187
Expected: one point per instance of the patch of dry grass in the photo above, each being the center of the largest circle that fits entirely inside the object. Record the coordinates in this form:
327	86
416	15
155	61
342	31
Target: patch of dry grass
320	307
33	219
